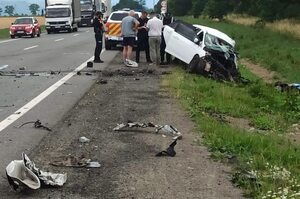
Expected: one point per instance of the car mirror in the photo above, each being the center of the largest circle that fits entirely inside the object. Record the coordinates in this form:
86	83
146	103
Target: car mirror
196	40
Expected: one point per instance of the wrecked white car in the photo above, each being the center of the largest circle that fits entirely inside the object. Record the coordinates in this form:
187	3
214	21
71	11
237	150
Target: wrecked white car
207	51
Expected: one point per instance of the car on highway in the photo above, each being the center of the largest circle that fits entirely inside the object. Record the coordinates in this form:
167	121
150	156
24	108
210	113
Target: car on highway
205	50
25	26
113	25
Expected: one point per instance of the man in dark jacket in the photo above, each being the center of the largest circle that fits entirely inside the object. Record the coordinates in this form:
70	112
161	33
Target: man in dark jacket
166	19
143	38
98	29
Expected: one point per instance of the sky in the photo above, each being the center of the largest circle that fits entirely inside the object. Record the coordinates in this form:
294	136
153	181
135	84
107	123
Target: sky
21	6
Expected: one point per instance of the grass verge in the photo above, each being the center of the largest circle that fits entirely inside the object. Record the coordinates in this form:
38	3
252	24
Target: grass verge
4	33
268	165
275	51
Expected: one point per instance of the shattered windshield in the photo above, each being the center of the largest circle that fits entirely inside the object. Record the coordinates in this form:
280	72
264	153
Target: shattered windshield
24	21
218	44
58	12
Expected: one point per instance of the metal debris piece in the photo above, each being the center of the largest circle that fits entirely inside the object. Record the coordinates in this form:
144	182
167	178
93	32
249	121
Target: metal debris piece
169	151
48	178
22	68
37	124
23	174
102	81
89	64
84	139
93	165
287	87
78	73
168	129
77	162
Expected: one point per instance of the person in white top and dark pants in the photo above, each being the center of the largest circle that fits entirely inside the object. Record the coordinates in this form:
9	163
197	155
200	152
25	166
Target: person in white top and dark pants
154	27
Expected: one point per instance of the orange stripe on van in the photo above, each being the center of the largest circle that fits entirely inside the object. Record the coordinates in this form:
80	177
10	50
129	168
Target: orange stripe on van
114	29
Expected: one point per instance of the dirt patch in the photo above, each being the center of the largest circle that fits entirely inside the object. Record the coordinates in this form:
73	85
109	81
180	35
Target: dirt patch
241	123
294	133
129	166
261	72
6	21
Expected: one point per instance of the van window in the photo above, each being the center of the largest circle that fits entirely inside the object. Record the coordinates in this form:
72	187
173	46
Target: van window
120	16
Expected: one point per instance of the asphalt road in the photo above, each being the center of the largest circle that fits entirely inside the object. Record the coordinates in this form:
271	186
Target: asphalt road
46	97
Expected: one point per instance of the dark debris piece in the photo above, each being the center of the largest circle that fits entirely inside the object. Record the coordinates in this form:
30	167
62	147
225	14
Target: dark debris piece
36	124
169	151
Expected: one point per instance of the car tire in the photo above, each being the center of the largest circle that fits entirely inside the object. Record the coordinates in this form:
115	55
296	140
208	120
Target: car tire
192	66
12	36
48	32
39	33
32	34
107	46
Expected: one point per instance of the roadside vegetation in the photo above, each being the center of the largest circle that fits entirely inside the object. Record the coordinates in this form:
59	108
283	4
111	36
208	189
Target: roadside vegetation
4	33
284	26
266	159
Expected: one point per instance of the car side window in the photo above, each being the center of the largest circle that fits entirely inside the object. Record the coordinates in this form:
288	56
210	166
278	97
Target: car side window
185	31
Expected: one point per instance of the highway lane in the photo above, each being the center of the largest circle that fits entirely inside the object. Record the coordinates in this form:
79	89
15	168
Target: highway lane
56	52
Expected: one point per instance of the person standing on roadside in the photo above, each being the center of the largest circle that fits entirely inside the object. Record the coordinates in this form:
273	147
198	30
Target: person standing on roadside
129	28
154	27
166	19
98	29
143	38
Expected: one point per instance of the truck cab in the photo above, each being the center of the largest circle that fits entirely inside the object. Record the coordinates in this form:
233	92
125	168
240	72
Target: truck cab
62	15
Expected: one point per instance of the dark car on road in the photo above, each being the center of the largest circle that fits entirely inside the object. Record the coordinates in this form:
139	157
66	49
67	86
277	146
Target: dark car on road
25	26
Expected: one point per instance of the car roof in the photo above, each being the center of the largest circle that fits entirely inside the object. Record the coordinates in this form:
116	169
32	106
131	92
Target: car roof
216	33
25	18
122	11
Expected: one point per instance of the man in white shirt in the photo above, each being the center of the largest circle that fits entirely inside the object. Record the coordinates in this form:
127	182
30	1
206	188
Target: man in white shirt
154	27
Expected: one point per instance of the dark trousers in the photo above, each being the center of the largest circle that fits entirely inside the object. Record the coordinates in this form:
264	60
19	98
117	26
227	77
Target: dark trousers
143	44
162	51
98	47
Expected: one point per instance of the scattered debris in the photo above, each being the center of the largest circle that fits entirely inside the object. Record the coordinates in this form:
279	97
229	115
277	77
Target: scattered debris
169	129
102	81
169	151
88	74
22	68
78	73
136	79
89	64
287	87
37	124
4	106
84	139
93	165
71	161
23	174
66	83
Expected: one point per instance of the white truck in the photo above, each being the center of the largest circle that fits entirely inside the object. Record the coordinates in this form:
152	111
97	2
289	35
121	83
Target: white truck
62	15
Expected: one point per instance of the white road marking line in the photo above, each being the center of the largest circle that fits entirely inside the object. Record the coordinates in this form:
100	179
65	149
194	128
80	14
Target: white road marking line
19	113
5	41
75	35
3	66
59	39
31	47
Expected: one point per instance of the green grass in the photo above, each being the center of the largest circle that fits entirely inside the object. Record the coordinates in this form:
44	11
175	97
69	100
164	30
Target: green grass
264	106
4	33
275	51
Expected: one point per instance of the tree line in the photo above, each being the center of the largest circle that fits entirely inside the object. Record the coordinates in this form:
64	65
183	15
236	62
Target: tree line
268	10
10	10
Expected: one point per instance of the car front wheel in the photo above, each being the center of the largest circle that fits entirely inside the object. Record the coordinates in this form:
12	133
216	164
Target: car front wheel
39	33
32	34
193	64
12	36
